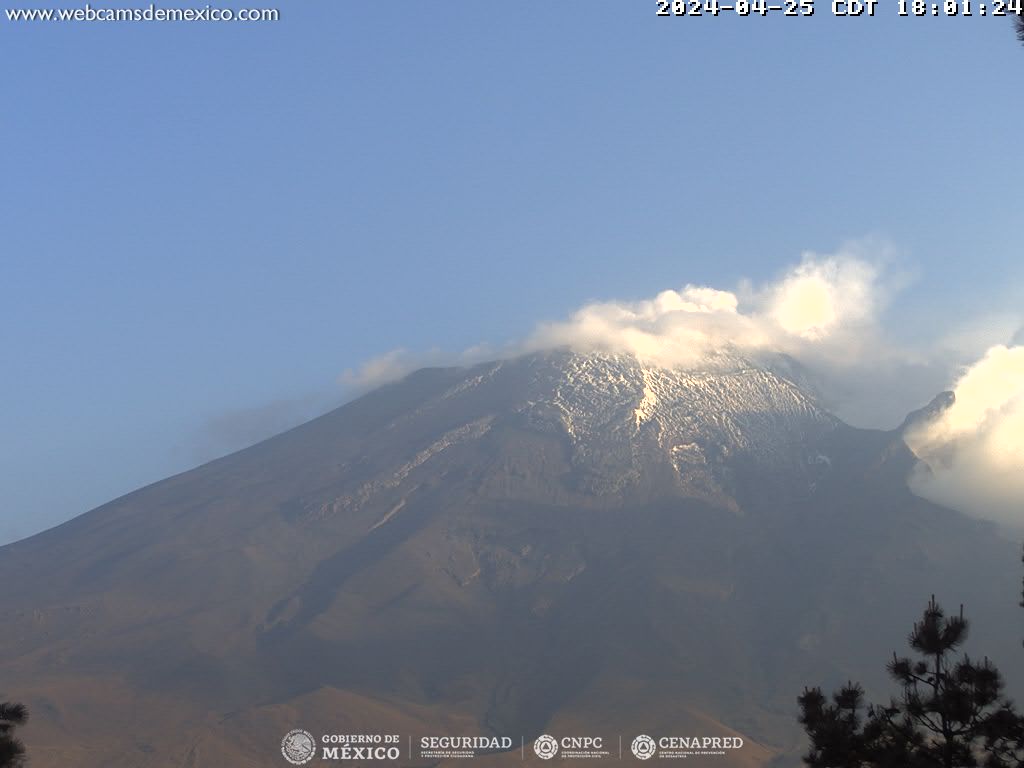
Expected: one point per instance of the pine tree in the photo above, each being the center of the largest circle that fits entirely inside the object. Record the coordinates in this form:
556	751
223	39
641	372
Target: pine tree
950	711
12	752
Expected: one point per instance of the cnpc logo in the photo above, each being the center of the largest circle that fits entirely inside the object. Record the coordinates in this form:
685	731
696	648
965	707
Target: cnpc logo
546	747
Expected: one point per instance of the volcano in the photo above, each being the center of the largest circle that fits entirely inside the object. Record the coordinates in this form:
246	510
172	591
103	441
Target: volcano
561	543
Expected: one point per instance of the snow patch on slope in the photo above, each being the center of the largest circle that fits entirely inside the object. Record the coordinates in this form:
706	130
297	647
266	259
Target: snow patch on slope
621	414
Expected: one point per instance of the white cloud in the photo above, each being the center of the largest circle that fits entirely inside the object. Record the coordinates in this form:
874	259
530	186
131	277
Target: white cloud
674	328
822	311
974	450
822	295
398	363
822	298
379	370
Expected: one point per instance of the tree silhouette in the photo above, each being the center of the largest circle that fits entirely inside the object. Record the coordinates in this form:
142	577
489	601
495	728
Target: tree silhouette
12	751
950	711
1019	23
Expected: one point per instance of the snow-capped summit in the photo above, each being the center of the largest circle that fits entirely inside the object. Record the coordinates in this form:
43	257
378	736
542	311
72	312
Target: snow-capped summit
622	417
730	404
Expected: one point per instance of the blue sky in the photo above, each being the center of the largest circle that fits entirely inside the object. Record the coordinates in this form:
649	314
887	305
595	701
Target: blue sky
203	221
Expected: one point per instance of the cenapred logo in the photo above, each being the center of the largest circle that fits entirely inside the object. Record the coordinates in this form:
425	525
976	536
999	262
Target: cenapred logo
298	746
643	747
546	747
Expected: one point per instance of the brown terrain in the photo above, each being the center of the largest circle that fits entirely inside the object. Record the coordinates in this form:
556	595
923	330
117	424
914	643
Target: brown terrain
554	544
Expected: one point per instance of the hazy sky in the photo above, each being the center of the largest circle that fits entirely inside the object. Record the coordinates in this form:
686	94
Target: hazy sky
204	225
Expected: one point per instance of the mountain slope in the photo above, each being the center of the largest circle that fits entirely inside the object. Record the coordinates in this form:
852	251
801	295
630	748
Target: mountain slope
559	540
